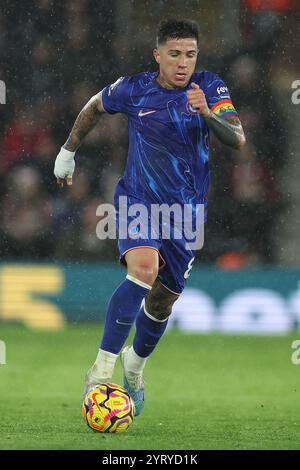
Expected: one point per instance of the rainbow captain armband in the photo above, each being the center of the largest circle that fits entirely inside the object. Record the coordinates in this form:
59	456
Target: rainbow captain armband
224	109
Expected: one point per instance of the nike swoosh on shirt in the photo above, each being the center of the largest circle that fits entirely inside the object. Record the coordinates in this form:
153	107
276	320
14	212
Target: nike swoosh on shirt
142	113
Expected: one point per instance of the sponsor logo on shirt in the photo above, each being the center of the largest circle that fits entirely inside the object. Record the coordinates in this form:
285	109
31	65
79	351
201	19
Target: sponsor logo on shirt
222	89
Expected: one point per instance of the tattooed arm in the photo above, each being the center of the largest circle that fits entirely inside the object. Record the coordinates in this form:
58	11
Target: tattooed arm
229	131
85	121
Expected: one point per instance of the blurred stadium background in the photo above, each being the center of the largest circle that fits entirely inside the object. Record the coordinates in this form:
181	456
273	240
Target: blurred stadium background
53	57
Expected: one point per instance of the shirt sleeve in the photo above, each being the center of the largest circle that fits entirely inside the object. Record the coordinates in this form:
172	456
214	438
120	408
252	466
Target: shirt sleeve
115	97
218	98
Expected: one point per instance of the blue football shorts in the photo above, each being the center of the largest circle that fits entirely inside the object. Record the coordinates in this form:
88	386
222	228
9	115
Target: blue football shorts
138	231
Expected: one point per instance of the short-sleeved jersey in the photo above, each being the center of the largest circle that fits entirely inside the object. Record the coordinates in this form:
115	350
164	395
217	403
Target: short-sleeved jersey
168	140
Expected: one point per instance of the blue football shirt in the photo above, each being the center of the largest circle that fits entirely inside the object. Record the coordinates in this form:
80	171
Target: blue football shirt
168	140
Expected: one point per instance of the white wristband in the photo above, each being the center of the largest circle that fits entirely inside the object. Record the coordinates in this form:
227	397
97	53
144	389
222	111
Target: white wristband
64	164
65	155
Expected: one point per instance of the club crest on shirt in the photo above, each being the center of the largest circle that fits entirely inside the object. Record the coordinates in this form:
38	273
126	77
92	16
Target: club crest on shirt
190	109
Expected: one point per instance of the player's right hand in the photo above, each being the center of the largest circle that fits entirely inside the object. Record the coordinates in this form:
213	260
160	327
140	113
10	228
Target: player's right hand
64	167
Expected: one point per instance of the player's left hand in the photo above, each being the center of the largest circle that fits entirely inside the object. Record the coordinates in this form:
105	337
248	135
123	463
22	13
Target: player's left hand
197	99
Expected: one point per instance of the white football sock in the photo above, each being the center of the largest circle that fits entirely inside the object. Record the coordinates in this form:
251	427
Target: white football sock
104	365
135	363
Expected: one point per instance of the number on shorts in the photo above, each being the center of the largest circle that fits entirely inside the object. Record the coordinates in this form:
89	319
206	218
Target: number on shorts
188	271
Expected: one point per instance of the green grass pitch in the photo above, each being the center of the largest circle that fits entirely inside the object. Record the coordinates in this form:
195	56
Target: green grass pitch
203	392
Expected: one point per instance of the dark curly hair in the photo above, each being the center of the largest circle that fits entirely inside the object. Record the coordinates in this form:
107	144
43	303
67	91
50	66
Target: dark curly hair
176	29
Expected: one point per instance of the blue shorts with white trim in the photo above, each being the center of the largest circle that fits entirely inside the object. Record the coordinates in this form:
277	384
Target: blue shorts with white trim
139	231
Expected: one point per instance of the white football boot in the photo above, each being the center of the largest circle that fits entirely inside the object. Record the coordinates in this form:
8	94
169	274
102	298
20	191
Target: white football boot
133	383
92	380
